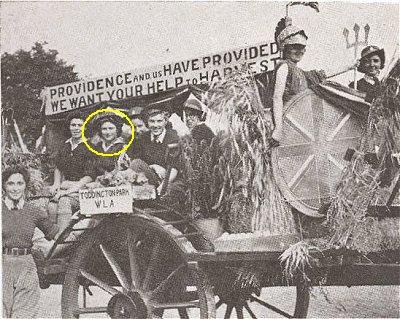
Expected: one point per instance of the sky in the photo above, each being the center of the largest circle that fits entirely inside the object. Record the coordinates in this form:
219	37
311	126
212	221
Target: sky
102	38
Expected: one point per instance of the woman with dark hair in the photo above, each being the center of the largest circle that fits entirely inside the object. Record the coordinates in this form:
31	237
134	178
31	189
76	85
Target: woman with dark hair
72	173
21	291
109	129
72	162
195	117
372	61
289	79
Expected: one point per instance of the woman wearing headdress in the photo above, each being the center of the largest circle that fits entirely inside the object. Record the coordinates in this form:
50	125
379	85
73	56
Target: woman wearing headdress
288	78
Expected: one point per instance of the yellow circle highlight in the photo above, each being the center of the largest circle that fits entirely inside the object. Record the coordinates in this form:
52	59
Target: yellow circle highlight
108	109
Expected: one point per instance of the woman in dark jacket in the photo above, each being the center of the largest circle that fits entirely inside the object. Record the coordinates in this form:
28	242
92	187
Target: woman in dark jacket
371	63
195	116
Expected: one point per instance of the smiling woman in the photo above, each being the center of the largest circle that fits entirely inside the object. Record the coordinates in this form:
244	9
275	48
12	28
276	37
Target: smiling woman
372	61
70	175
20	282
109	129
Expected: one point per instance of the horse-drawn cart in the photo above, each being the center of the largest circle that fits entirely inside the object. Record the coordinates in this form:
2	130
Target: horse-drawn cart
153	259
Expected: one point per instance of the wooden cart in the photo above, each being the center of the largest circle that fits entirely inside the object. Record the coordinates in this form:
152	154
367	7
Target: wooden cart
153	259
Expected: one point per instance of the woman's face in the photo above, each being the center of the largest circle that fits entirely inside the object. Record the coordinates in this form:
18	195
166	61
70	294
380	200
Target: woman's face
295	52
372	65
109	132
15	186
192	119
75	127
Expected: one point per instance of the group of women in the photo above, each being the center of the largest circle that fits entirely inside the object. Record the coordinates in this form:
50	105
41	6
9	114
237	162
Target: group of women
76	166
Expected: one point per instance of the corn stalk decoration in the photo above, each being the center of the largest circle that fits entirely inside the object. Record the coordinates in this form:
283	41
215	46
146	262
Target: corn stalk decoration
248	193
363	184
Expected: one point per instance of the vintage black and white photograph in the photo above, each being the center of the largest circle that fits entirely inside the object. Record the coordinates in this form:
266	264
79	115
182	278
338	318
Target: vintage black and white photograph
200	160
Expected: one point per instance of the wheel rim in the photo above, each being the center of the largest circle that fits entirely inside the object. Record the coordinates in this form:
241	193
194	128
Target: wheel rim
248	305
149	274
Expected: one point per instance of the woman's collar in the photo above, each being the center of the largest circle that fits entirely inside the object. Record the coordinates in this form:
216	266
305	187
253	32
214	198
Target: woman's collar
10	203
370	79
118	140
72	143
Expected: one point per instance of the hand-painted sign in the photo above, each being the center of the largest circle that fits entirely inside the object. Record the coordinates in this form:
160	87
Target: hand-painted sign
106	200
145	81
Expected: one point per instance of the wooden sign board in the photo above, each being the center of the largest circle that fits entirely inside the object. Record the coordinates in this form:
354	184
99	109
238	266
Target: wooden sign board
106	200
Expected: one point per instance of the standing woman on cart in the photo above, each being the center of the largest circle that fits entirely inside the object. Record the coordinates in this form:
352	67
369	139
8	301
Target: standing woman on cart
288	78
21	291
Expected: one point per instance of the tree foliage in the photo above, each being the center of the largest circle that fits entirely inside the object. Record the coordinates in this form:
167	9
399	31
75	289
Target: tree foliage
23	76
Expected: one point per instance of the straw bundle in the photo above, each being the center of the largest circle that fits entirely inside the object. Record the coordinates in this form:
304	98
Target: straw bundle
249	192
363	184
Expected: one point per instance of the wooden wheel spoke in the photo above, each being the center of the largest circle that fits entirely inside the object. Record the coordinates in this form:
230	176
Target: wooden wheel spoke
119	273
111	290
164	284
152	266
239	312
271	307
86	310
248	309
218	304
228	312
183	314
133	261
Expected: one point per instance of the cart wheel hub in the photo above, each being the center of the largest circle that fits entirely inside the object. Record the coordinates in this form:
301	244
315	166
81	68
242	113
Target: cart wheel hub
129	305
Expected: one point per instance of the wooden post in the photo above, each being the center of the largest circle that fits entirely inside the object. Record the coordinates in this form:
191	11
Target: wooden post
20	140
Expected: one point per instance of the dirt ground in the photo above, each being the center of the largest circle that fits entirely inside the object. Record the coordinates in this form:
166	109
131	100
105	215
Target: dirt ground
354	302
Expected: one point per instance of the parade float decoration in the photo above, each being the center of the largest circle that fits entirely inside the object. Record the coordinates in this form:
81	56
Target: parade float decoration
328	168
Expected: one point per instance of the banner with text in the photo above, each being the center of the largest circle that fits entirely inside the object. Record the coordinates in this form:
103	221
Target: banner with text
150	80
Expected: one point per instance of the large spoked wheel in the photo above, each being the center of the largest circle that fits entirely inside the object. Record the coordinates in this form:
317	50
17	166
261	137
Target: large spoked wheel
134	267
274	302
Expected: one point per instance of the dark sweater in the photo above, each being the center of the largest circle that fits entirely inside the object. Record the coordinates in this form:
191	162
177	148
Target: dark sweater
202	132
102	164
74	164
19	225
371	90
155	153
